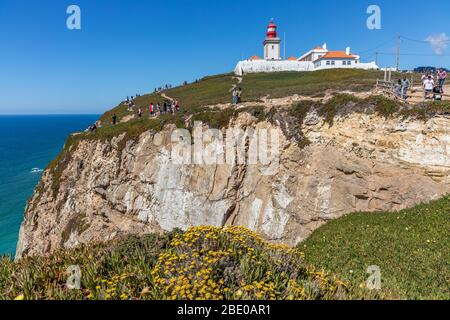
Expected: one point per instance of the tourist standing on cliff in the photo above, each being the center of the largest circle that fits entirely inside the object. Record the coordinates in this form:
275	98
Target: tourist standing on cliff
405	87
158	108
428	85
425	77
239	95
151	110
114	119
234	95
398	89
139	112
442	76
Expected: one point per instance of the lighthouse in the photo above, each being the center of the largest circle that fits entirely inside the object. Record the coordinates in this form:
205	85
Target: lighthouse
272	44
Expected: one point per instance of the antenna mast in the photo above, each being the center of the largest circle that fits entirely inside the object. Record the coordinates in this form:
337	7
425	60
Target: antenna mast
399	41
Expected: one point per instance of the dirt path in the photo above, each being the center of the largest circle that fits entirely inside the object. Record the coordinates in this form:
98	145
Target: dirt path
128	118
235	85
167	97
268	102
417	95
239	79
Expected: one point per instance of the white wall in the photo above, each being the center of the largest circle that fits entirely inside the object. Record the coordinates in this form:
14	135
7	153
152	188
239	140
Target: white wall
272	51
260	66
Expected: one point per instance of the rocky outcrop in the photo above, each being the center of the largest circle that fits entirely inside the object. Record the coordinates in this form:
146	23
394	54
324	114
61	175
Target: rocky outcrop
363	162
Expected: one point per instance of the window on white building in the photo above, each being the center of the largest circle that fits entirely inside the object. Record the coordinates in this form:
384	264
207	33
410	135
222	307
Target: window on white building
333	63
328	63
344	63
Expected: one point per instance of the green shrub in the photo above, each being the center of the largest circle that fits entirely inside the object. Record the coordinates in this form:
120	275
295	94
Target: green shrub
410	247
229	263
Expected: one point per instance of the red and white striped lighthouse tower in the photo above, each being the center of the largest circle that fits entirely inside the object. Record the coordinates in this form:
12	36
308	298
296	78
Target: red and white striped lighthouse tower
272	44
271	30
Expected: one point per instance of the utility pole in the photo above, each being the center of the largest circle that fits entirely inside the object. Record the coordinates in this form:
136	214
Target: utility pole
376	58
399	41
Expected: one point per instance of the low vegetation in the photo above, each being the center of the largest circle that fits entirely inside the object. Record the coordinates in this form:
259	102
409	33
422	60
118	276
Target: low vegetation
215	90
232	263
410	247
229	263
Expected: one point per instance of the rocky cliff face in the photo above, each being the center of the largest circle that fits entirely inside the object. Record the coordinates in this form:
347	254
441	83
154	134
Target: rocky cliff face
362	162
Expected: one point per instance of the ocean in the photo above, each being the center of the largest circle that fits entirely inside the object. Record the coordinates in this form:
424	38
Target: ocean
27	145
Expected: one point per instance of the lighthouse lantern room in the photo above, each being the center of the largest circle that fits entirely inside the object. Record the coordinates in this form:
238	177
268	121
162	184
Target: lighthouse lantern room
272	44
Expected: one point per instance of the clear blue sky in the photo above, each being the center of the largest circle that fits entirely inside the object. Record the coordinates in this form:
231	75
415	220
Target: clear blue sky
128	47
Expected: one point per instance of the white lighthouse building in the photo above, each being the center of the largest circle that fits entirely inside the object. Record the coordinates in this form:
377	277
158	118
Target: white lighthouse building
315	59
272	44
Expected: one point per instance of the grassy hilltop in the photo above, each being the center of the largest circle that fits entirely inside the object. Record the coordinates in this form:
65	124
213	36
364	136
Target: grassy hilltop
216	89
196	97
411	248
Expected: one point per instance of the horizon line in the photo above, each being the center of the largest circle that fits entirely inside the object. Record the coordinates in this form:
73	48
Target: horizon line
49	114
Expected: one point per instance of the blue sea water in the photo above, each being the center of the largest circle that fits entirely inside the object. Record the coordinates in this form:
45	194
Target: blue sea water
27	145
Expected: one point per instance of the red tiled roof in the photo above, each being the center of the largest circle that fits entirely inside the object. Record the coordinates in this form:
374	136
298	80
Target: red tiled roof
337	55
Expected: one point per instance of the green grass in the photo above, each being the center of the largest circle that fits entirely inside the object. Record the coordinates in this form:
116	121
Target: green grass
411	248
278	85
216	89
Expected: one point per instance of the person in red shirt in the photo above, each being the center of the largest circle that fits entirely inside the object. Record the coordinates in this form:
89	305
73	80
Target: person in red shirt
151	109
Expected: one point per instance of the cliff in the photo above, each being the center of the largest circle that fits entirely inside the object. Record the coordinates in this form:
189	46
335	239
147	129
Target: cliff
338	155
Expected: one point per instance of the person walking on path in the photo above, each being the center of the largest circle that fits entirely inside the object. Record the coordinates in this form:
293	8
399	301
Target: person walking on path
239	95
114	119
139	113
405	87
442	76
234	95
398	89
425	77
428	85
